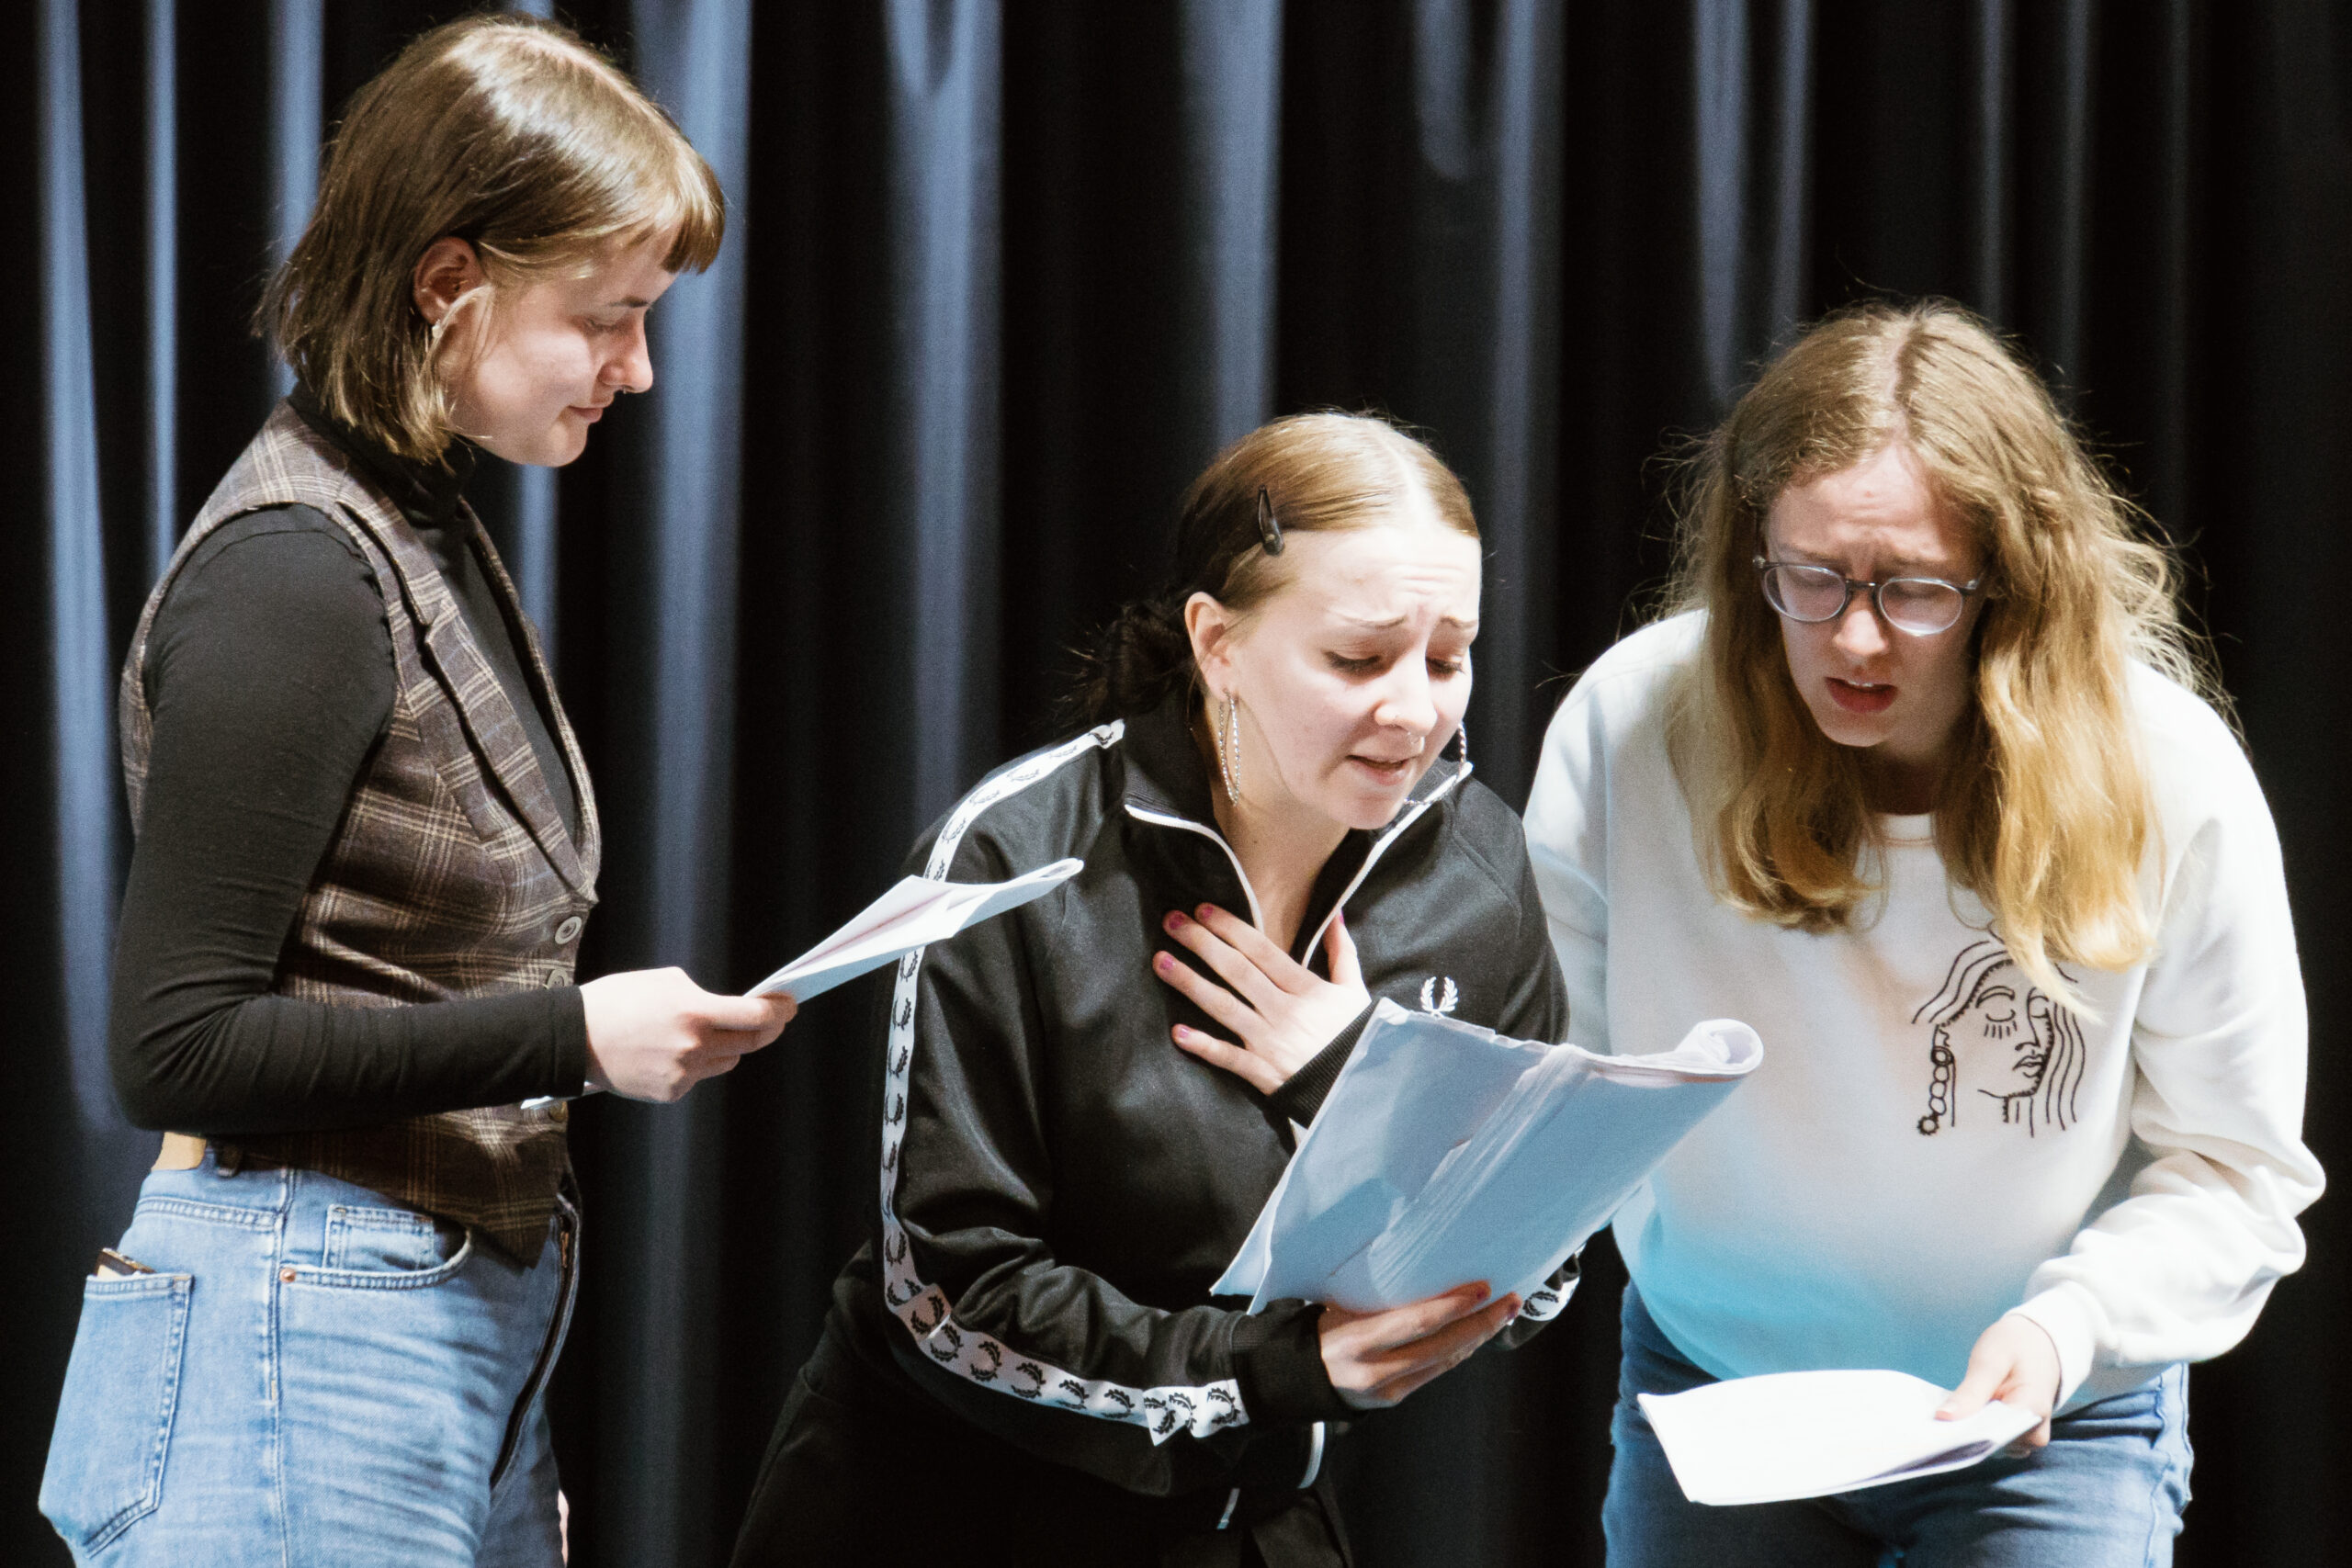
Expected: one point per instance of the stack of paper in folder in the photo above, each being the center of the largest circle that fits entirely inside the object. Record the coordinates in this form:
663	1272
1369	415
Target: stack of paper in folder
916	913
1788	1435
1447	1154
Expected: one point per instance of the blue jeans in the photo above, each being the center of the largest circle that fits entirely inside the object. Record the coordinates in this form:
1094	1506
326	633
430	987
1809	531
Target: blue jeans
310	1376
2107	1493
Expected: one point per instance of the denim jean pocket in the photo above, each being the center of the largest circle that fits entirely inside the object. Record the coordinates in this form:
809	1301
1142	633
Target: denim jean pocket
391	1241
387	1249
114	1419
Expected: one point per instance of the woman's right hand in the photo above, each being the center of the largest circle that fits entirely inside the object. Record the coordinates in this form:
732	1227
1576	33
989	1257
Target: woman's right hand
653	1034
1375	1359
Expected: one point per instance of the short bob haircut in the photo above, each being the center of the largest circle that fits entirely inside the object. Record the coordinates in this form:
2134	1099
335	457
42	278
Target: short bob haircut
507	132
2043	810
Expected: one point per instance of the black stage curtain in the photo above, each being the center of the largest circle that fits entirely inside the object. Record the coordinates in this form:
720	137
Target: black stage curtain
1000	278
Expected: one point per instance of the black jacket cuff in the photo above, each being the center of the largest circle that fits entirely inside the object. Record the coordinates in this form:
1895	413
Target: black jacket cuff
1278	1362
1303	1094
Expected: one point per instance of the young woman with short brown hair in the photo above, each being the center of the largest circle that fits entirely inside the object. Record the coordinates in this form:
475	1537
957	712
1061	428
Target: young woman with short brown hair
367	848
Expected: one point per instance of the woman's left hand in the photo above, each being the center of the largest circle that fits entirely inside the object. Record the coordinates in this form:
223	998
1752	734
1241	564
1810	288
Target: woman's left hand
2014	1360
1281	1012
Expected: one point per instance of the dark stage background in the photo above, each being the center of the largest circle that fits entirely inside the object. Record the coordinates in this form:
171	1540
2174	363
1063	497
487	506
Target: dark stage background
998	279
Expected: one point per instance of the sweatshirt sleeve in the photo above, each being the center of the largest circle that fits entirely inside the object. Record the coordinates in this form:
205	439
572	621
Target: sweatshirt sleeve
270	675
2179	1269
1042	1352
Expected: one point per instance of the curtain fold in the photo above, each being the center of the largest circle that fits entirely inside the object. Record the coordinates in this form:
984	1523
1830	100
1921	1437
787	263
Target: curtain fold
297	115
1231	58
85	833
936	482
669	658
998	280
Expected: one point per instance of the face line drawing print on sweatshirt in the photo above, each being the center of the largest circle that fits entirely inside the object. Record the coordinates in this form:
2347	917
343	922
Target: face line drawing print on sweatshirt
2013	1042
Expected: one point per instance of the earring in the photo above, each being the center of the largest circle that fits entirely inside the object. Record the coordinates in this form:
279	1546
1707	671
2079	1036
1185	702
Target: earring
1462	743
1228	748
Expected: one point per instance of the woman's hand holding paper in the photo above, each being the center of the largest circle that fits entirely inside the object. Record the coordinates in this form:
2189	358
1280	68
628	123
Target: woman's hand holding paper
2016	1361
1375	1359
1281	1012
653	1034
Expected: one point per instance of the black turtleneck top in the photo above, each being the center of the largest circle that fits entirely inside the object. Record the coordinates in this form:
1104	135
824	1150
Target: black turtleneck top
270	675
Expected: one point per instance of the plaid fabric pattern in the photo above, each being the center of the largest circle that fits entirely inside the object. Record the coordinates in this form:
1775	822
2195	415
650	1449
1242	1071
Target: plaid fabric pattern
451	872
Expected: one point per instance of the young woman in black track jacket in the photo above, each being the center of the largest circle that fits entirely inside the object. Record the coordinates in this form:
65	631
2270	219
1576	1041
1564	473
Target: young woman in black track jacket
1025	1364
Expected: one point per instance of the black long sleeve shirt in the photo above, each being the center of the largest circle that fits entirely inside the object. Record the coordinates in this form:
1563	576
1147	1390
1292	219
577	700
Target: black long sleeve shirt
269	671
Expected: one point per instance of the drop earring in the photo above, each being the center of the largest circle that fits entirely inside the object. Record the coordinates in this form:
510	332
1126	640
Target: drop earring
1462	744
1228	748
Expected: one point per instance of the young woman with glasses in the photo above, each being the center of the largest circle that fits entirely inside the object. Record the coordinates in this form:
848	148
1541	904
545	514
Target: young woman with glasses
1923	779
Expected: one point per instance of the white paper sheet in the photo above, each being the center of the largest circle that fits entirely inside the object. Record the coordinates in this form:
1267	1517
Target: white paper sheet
1788	1435
1447	1154
916	913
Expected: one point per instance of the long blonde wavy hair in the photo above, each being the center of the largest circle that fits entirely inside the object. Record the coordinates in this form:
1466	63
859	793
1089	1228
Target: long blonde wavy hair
2042	810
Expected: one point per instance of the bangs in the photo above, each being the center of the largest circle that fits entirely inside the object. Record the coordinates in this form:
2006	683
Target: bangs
696	223
680	198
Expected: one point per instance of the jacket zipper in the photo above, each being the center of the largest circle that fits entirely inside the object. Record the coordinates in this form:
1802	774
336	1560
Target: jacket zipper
1257	917
1379	847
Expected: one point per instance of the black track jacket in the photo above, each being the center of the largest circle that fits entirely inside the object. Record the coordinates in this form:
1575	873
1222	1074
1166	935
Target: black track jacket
1061	1184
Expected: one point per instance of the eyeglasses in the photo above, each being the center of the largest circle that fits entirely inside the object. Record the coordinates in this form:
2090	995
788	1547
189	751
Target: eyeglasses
1920	606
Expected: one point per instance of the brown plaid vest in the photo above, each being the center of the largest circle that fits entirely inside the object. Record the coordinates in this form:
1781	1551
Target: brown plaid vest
451	872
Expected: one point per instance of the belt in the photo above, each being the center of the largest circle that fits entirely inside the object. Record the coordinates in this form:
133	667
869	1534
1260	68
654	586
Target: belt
182	1151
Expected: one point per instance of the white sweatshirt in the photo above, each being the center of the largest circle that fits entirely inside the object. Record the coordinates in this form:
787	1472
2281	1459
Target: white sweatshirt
1931	1142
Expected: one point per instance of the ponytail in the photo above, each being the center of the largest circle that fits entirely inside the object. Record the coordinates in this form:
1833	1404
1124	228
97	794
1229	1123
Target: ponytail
1138	661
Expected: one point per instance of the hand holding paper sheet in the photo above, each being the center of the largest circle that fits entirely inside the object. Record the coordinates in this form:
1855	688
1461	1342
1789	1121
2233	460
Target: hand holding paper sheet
1447	1154
1788	1435
916	913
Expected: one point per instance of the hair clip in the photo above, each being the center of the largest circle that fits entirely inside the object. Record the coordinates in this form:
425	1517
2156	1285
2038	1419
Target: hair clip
1270	533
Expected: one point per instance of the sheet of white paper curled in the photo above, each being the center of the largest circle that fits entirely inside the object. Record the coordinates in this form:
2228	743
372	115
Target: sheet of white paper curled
1788	1435
914	913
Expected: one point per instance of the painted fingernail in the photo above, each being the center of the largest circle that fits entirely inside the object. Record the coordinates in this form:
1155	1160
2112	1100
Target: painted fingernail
1175	920
1162	962
1204	911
